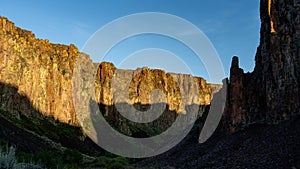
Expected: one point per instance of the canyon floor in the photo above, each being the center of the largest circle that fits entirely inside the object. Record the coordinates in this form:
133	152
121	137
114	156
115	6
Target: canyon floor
259	146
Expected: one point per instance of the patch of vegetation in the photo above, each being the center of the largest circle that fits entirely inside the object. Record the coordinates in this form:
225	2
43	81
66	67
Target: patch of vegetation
8	160
134	129
142	131
48	159
72	156
68	159
111	163
61	133
68	155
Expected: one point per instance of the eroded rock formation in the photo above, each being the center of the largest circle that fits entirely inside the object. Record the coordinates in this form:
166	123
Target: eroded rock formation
270	93
43	72
40	70
137	87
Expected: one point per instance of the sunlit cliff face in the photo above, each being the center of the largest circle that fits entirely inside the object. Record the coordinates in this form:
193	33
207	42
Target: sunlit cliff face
272	23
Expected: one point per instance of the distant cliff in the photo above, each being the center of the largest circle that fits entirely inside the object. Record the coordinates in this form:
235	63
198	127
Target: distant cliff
43	72
271	93
143	81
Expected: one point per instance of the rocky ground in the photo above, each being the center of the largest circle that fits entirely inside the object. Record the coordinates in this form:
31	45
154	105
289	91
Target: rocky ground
259	146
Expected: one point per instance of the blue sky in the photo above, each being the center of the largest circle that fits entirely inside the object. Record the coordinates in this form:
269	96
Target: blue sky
231	25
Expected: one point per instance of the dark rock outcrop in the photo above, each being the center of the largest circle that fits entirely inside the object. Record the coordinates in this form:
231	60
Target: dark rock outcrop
270	93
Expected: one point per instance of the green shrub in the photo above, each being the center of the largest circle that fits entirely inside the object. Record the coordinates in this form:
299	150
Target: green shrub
142	131
3	143
118	163
121	160
111	163
72	156
8	158
70	166
48	159
102	161
25	157
115	165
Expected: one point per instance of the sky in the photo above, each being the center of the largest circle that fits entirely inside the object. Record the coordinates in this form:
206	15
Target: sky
231	26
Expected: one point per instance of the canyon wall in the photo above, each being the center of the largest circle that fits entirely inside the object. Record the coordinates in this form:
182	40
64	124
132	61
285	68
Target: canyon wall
43	72
270	93
138	85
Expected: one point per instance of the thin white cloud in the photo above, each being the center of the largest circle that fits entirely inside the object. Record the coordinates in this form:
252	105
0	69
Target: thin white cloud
82	29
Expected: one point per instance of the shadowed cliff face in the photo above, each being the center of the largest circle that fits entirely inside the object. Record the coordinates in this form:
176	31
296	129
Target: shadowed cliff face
43	72
40	133
271	92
